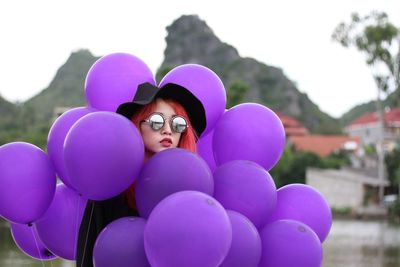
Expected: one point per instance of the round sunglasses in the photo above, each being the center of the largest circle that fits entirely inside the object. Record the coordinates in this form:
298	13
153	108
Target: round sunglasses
156	121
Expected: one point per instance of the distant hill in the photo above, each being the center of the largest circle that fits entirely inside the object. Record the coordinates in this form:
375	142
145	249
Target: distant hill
191	40
30	121
8	112
391	101
66	89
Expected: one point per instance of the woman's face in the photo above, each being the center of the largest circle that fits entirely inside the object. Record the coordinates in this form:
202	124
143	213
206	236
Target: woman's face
156	141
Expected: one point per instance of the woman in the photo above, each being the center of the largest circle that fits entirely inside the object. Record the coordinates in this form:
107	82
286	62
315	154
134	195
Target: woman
166	117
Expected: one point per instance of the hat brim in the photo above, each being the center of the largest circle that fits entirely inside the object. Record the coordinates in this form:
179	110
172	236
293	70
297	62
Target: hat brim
183	96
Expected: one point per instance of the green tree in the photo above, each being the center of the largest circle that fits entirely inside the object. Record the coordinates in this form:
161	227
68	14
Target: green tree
392	161
292	166
236	93
393	170
379	40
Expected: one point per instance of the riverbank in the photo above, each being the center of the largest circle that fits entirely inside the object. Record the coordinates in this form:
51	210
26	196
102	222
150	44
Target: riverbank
361	242
371	212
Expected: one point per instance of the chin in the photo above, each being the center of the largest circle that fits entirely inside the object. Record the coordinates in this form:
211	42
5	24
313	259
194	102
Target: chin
164	148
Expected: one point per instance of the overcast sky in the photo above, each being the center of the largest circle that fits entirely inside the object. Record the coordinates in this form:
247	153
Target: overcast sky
38	36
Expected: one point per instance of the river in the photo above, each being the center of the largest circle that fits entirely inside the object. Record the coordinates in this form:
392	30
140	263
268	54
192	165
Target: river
351	243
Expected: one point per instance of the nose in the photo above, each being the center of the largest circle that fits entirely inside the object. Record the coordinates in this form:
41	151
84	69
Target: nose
166	129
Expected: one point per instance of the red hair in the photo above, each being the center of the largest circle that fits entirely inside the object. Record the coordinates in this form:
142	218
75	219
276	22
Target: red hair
187	141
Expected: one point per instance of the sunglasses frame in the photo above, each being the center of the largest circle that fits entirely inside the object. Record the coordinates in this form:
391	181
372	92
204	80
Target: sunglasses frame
147	121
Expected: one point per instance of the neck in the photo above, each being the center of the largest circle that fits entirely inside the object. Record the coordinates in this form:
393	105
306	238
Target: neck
147	155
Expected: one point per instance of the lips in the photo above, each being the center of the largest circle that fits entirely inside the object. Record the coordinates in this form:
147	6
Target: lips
166	142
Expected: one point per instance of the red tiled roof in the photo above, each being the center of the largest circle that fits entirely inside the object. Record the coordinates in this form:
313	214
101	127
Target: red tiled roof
291	125
391	116
323	145
288	121
296	131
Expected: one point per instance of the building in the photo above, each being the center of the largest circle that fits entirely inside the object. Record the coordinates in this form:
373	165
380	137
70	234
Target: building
367	128
299	138
347	189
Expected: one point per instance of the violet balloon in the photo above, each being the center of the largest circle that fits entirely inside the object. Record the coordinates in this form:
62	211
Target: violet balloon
121	244
28	242
305	204
205	85
204	149
288	243
246	243
58	228
27	182
168	172
249	132
113	80
246	187
103	154
56	138
187	228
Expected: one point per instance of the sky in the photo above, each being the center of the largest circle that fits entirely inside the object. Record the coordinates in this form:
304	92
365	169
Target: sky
37	37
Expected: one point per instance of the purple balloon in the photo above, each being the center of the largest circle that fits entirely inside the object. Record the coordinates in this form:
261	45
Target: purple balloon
204	149
205	85
28	242
27	182
56	138
188	228
250	132
246	243
121	244
113	80
168	172
59	227
305	204
288	243
103	154
246	187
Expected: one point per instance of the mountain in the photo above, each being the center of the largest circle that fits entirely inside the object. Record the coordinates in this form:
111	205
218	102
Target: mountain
8	112
391	101
191	40
30	121
65	90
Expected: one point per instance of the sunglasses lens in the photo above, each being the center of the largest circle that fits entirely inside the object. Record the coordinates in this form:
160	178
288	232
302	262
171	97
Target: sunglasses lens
156	121
179	124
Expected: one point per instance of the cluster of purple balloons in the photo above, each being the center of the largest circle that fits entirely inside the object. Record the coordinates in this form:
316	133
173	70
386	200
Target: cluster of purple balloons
218	208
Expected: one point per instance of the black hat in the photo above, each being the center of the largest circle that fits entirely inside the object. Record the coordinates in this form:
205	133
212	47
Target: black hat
147	92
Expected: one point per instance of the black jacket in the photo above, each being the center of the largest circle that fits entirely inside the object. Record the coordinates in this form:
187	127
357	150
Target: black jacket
96	217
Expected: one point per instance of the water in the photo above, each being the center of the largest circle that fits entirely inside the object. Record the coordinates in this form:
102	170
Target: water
350	243
354	243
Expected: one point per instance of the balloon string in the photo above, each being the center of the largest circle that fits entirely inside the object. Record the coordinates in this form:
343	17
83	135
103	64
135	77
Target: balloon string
87	234
36	243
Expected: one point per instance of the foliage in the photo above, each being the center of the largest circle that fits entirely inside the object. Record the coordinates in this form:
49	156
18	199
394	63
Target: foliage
394	211
341	211
392	161
162	71
292	165
236	93
379	40
336	160
369	149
